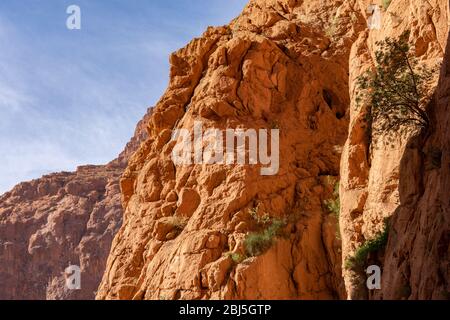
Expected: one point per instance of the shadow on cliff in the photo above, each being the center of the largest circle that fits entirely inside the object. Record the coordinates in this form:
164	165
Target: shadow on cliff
416	259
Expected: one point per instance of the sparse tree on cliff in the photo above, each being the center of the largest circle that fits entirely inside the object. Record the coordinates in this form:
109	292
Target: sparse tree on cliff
396	91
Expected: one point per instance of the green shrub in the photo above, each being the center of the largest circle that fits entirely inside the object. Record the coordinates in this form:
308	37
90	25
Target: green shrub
260	219
236	257
397	91
333	206
257	243
331	30
376	244
386	4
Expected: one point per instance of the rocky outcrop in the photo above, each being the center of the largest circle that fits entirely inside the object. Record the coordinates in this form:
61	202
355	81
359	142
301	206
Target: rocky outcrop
51	223
140	135
220	230
290	65
279	65
406	181
60	220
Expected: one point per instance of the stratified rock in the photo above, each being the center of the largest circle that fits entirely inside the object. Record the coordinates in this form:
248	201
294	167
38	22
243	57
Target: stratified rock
60	220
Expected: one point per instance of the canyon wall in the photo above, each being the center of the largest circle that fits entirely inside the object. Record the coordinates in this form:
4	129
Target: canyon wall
290	65
400	181
279	65
60	220
178	231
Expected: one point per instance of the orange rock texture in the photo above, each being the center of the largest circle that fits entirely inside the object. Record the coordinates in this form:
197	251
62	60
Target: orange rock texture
290	65
62	219
400	181
218	231
275	66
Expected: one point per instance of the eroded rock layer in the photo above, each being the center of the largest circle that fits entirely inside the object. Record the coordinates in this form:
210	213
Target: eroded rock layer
206	231
60	220
275	66
290	65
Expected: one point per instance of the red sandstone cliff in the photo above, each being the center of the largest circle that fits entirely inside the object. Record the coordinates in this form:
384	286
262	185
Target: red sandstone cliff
60	220
272	67
290	65
282	64
400	181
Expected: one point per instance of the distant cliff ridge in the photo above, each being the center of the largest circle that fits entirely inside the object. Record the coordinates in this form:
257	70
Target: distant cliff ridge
59	220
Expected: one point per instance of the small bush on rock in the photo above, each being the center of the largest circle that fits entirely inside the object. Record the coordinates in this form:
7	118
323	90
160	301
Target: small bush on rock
257	243
376	244
397	92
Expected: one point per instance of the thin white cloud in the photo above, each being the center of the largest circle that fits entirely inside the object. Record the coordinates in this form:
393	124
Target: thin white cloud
26	161
12	99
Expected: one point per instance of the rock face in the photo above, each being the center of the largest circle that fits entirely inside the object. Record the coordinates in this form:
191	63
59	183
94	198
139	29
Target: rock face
408	181
417	257
274	67
62	219
289	65
220	230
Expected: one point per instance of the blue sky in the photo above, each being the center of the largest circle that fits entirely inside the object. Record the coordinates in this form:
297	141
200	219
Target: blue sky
73	97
